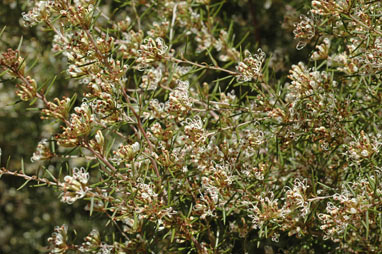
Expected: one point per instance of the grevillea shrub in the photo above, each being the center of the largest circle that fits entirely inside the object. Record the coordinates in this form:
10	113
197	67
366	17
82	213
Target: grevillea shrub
186	138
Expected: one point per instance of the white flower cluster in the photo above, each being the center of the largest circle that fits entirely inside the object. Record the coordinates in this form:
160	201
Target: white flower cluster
179	102
194	130
146	192
349	208
250	68
125	153
305	82
329	8
41	11
80	124
363	147
322	50
151	78
58	240
75	187
304	31
42	151
151	51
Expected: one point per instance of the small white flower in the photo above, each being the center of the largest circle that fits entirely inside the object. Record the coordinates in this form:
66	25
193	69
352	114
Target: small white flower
365	153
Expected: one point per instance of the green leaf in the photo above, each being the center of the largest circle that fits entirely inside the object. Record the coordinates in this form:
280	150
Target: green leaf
91	205
20	42
24	184
2	31
22	166
50	85
173	235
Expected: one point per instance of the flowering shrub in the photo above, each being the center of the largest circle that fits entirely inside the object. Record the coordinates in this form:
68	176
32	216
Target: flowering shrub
177	133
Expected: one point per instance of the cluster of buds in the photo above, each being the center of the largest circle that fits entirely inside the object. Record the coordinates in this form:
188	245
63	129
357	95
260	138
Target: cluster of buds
91	243
59	109
42	151
296	207
98	142
215	190
75	187
150	52
104	44
227	52
151	78
204	39
58	240
371	62
306	82
100	87
106	108
12	60
157	110
329	8
77	128
253	138
250	68
156	129
322	50
146	193
363	147
27	89
266	208
81	14
79	50
257	172
290	216
130	45
122	25
40	12
126	152
179	102
350	209
159	29
194	130
223	176
208	199
304	31
345	63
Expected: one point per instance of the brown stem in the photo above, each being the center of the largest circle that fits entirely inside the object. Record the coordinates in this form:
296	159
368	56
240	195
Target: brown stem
116	225
140	127
100	157
204	66
138	18
56	31
4	171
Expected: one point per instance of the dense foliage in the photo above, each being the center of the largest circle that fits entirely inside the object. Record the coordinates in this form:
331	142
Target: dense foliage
192	126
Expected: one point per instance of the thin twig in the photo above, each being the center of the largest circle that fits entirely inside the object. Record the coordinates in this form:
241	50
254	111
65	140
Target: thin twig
100	157
136	15
4	171
319	198
204	66
172	25
140	127
365	26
